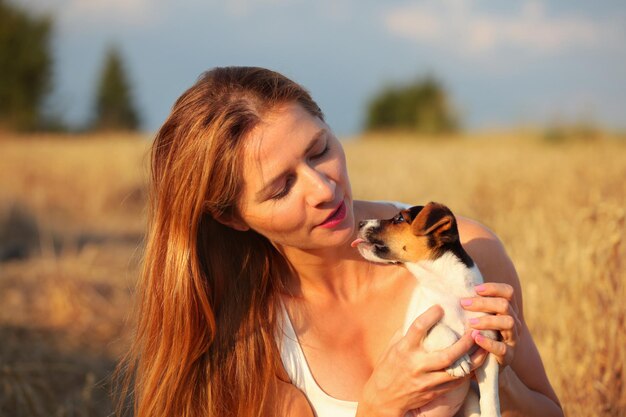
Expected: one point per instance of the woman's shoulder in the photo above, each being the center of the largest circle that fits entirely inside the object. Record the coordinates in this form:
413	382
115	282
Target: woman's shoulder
487	250
379	209
483	245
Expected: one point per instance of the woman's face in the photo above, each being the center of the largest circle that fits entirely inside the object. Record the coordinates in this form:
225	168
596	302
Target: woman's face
296	187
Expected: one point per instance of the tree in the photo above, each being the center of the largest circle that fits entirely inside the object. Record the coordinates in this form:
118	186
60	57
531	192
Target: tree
421	106
25	66
114	108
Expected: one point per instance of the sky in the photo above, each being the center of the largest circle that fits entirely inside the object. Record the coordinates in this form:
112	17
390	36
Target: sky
503	63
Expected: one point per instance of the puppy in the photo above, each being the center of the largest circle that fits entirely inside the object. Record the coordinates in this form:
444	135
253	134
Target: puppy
426	240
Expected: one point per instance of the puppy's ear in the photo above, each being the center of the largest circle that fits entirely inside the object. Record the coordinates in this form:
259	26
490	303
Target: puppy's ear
414	211
435	219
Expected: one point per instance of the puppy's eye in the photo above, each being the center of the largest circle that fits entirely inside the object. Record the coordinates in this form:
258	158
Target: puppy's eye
398	219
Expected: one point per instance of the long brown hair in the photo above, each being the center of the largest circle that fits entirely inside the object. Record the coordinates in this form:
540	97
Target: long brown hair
207	298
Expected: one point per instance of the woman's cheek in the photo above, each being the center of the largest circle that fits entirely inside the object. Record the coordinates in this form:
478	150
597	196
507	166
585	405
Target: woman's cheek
281	223
288	221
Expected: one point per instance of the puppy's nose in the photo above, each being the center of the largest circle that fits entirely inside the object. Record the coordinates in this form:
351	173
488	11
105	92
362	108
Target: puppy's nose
361	224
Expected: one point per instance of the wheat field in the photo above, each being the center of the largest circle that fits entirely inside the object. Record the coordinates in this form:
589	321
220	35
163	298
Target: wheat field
72	217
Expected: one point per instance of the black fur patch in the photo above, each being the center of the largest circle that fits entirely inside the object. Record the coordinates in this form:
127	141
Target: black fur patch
381	251
447	241
414	211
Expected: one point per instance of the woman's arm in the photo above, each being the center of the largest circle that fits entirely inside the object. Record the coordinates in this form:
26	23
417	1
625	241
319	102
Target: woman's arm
524	386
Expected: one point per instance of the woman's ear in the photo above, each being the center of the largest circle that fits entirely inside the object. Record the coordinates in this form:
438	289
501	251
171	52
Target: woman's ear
226	217
233	222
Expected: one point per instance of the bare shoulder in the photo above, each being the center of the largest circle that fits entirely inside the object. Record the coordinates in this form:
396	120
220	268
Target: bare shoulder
291	402
490	256
374	209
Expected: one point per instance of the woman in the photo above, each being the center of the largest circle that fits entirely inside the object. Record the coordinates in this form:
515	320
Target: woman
250	281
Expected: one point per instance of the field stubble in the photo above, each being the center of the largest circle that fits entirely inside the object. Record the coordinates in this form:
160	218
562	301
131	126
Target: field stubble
66	283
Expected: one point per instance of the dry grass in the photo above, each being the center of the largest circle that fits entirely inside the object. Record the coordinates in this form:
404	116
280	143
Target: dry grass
93	183
77	205
559	210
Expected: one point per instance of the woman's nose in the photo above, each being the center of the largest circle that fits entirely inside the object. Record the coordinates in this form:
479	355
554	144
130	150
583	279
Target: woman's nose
321	189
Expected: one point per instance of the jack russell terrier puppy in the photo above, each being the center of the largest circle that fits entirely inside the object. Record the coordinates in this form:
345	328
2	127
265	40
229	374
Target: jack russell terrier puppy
426	240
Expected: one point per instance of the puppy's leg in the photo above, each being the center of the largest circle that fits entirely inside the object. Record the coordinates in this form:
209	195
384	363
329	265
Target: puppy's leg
471	406
440	337
487	377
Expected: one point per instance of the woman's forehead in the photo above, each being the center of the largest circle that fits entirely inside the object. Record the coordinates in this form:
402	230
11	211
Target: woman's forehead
282	135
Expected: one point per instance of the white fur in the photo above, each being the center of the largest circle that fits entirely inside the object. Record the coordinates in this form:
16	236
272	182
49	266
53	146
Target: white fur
445	281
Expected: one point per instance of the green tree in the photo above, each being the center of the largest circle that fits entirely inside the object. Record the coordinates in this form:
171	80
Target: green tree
25	66
114	107
421	106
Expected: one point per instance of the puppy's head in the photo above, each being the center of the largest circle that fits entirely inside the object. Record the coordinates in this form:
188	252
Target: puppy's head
416	234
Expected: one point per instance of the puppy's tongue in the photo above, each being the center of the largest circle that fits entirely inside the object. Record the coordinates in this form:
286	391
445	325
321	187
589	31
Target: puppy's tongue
356	242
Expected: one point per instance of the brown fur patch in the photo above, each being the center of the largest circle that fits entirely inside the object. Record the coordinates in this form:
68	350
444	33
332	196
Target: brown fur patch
404	246
433	218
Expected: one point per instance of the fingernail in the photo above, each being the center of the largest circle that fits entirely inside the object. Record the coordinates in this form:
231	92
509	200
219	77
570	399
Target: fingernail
480	288
466	302
473	321
478	337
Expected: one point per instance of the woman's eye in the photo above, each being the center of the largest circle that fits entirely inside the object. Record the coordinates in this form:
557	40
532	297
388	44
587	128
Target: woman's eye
285	190
321	154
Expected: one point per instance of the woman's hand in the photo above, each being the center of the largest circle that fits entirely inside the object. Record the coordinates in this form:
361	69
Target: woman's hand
407	377
498	300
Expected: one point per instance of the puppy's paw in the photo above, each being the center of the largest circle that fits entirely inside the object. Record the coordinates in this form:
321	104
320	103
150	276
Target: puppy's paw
461	367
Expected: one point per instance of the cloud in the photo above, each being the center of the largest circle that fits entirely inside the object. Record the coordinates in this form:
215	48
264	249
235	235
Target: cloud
457	24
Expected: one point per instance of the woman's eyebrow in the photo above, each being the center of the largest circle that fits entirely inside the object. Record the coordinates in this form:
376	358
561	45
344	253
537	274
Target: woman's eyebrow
314	140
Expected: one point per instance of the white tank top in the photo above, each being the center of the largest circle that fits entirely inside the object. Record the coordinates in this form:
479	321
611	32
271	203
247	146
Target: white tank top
300	374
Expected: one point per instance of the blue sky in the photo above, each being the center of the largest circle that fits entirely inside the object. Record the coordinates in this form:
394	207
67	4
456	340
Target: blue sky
503	63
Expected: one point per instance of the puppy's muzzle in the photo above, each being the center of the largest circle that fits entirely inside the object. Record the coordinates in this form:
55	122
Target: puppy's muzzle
368	242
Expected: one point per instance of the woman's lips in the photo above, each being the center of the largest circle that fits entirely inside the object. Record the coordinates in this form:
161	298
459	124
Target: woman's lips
336	217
